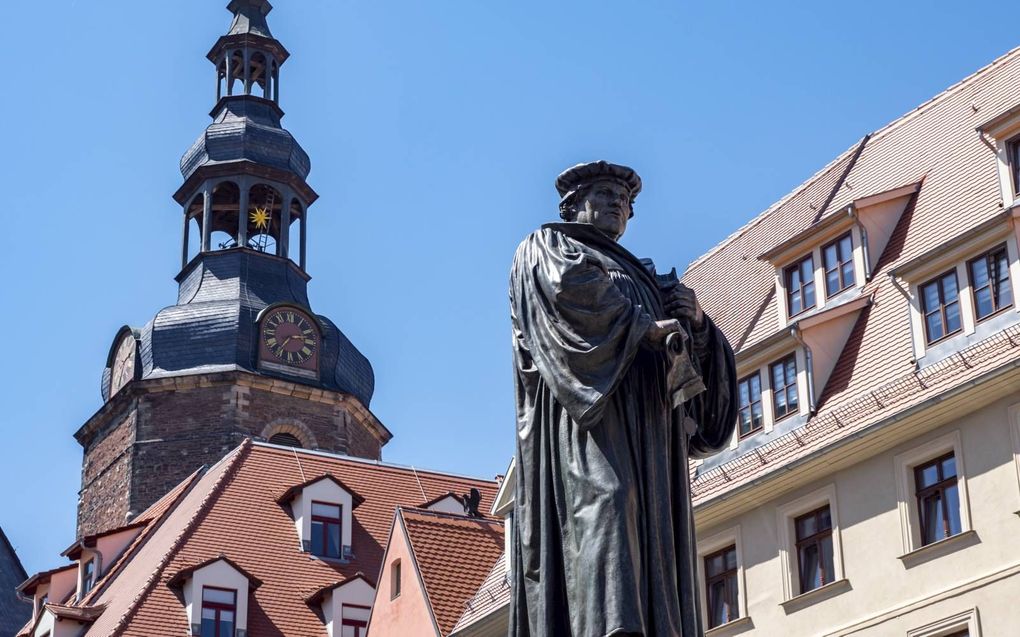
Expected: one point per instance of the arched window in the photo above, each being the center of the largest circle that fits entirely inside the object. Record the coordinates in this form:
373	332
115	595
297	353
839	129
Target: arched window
264	205
226	201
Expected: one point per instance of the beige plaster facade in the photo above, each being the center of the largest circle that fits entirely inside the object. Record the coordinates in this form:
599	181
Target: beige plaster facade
885	584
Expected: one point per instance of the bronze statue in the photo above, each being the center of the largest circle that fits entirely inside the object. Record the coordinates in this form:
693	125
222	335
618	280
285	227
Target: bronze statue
620	379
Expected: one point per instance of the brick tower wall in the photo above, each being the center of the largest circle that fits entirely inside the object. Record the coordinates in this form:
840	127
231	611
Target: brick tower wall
165	433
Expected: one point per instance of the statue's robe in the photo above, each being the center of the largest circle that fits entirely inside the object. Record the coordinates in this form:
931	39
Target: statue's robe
603	532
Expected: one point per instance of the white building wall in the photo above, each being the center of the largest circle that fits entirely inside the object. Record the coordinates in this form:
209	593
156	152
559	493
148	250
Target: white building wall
889	593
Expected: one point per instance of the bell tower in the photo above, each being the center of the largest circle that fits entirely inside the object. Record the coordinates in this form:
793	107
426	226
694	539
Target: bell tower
240	353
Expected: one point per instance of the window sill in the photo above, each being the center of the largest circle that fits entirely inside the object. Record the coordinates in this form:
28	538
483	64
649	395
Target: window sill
938	549
819	594
733	627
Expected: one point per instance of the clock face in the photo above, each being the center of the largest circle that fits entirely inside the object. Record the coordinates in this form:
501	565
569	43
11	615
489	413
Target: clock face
289	337
123	364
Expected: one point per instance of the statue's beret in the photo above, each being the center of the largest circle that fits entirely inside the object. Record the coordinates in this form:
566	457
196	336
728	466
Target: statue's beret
573	179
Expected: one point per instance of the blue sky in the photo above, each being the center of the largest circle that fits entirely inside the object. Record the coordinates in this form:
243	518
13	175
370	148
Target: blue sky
435	131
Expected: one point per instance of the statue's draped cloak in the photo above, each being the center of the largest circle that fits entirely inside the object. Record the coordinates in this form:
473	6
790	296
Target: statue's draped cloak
603	541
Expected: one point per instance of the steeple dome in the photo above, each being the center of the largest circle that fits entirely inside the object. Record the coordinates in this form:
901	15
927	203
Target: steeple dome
250	17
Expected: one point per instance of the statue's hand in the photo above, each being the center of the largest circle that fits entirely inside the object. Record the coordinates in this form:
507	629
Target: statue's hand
659	331
682	303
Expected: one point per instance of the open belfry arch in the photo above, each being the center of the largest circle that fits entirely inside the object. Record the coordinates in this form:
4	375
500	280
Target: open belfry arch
240	353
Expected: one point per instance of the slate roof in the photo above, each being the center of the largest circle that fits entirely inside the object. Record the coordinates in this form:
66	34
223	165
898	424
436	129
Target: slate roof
247	129
250	17
231	509
875	375
213	325
453	555
13	611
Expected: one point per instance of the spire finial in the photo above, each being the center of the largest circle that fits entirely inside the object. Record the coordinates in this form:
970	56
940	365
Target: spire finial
250	17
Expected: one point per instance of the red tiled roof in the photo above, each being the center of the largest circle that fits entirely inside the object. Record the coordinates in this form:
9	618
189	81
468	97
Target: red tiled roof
231	509
492	596
936	143
453	554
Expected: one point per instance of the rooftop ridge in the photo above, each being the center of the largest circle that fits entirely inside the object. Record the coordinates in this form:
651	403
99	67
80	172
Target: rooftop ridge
377	463
880	132
458	517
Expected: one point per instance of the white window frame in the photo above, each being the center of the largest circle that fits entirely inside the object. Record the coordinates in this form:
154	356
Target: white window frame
968	313
906	490
710	545
966	620
822	299
785	516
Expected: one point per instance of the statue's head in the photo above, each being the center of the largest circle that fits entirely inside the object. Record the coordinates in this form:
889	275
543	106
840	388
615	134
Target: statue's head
600	194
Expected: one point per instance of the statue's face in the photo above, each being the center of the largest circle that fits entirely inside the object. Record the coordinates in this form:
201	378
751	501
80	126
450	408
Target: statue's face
606	206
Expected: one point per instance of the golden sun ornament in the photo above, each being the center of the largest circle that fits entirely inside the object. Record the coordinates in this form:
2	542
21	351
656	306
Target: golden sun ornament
260	218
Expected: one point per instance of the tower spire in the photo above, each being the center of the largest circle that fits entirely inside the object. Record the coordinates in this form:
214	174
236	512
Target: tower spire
250	17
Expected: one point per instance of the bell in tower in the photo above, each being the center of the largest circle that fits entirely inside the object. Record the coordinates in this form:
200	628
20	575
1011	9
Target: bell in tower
240	353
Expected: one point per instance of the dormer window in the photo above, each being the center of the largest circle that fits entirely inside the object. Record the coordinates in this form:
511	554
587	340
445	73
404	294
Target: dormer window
326	525
216	594
800	285
1013	153
751	416
940	303
785	401
88	577
839	265
322	511
219	612
989	279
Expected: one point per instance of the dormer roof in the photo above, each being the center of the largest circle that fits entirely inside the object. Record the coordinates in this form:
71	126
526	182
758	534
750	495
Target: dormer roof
295	490
177	581
315	599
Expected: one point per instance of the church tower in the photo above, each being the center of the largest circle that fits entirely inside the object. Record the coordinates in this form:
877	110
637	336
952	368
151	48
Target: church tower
240	353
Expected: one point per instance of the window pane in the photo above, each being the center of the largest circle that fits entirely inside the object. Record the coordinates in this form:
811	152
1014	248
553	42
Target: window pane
846	248
778	376
828	568
731	559
791	398
806	527
949	467
831	258
848	273
809	295
717	604
208	626
757	415
218	596
979	273
983	302
208	613
807	269
745	421
832	282
952	318
927	476
791	371
953	503
318	548
949	287
326	510
824	519
930	297
933	326
755	387
333	539
745	394
809	568
931	518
